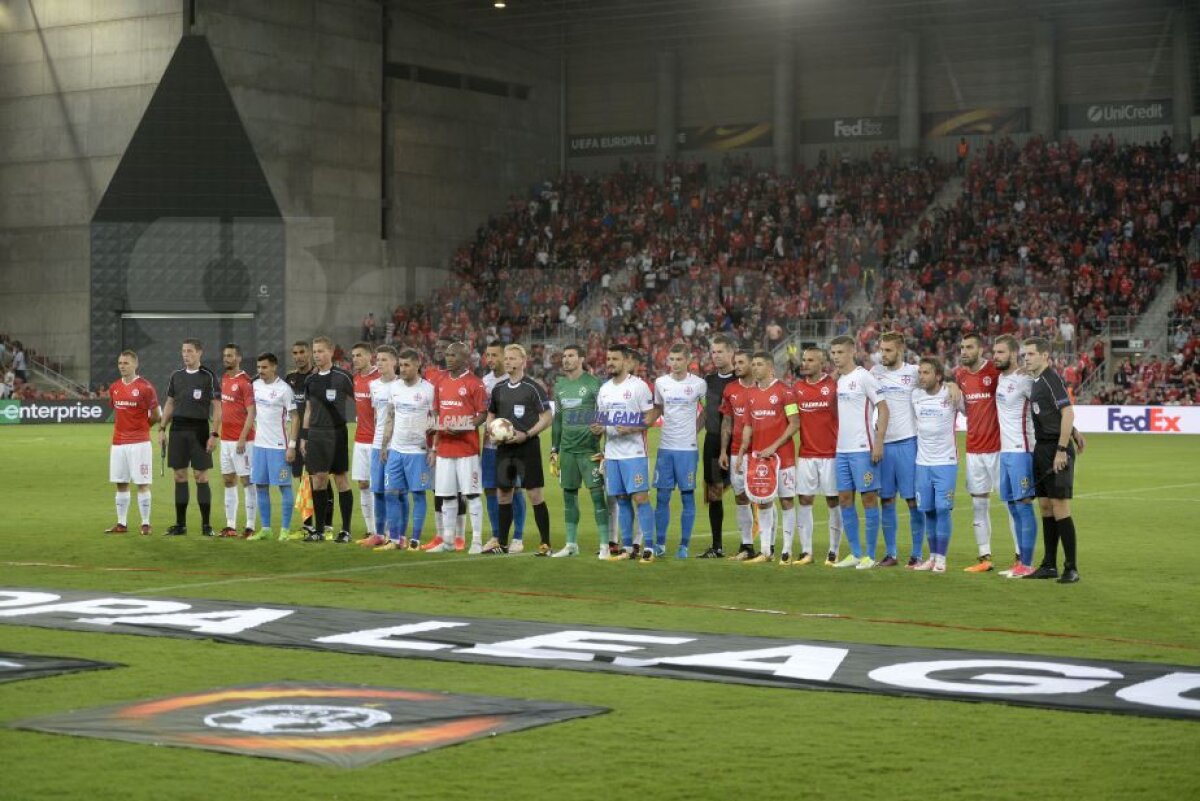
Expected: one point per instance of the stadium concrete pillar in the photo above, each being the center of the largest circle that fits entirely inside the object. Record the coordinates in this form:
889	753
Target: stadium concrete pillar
1181	83
666	120
785	105
910	95
1043	101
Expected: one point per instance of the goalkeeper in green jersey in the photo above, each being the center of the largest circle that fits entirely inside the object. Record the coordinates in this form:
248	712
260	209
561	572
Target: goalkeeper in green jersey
575	456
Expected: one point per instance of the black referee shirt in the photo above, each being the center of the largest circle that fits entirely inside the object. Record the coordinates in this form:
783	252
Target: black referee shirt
296	380
521	403
712	401
194	392
1047	399
326	395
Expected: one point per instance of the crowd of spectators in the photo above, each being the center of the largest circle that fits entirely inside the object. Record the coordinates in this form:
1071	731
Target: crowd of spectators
1173	381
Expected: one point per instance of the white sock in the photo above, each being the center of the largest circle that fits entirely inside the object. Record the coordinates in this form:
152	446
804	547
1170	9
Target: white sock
835	528
788	527
1012	527
449	515
250	494
766	528
122	507
804	527
614	529
983	525
144	507
366	502
745	521
475	512
231	505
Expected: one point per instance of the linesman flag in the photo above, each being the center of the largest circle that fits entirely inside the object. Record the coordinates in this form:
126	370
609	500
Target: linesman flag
304	502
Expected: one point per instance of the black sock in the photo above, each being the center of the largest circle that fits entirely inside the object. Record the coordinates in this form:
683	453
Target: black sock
506	520
204	501
346	501
716	517
437	510
1066	533
1050	542
328	506
542	516
462	507
181	503
320	509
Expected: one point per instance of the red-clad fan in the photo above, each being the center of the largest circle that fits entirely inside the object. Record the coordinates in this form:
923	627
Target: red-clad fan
461	404
237	441
733	420
816	397
131	458
362	359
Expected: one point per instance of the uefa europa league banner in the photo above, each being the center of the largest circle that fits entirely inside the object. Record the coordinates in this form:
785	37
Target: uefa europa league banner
1082	685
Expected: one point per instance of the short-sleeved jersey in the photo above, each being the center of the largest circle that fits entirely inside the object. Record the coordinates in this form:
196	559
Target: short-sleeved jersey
194	392
714	397
132	404
979	393
575	402
273	403
381	404
364	412
1012	410
237	398
935	414
733	406
858	395
1048	398
624	404
327	395
521	403
296	381
434	374
897	387
680	401
458	401
767	411
412	415
490	382
818	417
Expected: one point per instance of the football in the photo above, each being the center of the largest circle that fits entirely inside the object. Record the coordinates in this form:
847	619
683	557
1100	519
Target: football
500	430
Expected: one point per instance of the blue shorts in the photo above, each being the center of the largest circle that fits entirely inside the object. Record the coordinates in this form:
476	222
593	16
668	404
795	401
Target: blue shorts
269	466
626	476
377	471
407	472
898	470
487	468
935	486
856	472
676	469
1016	476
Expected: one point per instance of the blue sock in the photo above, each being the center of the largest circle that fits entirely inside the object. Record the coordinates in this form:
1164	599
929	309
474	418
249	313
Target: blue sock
850	530
625	518
493	512
395	523
518	514
931	531
645	516
662	515
418	514
1026	525
888	516
871	523
287	504
380	513
264	505
916	523
943	530
688	519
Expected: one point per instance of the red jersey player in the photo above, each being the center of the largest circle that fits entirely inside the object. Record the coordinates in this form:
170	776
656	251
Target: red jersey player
772	420
131	458
237	441
461	404
733	419
362	359
816	398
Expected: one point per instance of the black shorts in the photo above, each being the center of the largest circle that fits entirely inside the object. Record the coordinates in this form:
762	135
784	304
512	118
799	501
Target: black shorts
520	466
187	446
713	473
327	451
1048	483
298	462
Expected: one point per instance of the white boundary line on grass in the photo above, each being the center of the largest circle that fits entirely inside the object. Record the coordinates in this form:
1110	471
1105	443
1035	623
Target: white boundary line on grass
1114	493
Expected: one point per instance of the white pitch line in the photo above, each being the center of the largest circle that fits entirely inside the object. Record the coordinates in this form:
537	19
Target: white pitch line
1111	493
1153	500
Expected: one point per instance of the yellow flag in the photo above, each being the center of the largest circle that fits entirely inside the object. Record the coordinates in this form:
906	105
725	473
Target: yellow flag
304	501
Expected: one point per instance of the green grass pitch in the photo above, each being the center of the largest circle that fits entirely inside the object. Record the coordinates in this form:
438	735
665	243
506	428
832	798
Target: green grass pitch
1139	599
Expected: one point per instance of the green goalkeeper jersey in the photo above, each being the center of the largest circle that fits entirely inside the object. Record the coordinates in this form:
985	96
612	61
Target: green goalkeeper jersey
575	411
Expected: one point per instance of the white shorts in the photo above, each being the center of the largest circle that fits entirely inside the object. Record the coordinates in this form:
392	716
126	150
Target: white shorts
737	478
787	482
983	473
131	464
360	465
457	476
816	477
234	462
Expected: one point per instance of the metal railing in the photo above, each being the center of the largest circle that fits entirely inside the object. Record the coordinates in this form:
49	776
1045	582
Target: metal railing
40	366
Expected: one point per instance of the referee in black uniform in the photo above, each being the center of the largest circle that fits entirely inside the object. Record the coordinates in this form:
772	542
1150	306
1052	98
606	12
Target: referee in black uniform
716	478
523	402
192	395
326	449
1053	460
302	358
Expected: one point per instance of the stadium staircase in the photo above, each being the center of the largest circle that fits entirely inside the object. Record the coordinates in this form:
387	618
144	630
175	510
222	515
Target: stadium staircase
584	312
1152	327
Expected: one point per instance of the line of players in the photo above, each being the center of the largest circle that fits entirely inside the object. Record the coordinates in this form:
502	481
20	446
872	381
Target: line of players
881	434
